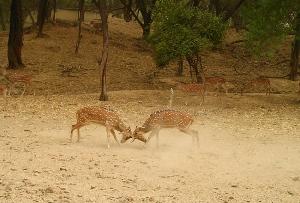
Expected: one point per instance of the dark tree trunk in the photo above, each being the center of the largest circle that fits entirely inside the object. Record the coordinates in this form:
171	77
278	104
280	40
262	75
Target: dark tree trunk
215	5
232	11
102	7
2	21
295	51
15	40
195	3
180	67
80	20
127	11
42	14
54	11
146	11
31	16
195	64
49	11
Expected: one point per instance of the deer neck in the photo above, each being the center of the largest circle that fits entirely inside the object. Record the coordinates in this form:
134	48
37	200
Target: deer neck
121	127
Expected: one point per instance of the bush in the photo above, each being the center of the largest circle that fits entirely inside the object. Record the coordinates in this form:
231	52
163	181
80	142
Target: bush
180	31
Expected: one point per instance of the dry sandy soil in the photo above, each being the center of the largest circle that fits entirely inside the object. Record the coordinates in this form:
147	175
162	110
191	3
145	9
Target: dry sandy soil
249	152
249	145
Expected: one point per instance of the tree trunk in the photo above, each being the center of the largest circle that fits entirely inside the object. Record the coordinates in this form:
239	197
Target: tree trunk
80	20
146	27
215	5
195	3
15	40
42	14
295	51
2	21
232	11
54	11
180	67
146	11
31	16
195	64
102	7
127	11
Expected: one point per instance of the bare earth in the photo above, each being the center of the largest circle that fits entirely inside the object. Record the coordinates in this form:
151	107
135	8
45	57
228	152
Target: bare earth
249	152
249	145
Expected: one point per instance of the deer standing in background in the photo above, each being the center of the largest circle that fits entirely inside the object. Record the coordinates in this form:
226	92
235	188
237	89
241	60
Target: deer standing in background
215	82
3	90
261	81
193	88
16	78
12	79
164	119
103	116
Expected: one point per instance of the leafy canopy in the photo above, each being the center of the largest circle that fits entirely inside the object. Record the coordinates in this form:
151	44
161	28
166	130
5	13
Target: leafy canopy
180	30
268	22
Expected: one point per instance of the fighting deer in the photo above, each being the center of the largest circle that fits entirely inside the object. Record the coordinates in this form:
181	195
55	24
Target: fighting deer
261	81
193	88
164	119
103	116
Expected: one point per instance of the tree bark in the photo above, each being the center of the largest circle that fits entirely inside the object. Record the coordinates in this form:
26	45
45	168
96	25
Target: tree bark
31	16
295	51
146	11
54	11
195	3
232	11
80	20
195	64
180	67
42	14
2	21
127	11
15	40
102	7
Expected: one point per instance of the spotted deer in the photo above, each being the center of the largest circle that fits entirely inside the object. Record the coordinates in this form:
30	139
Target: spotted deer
217	83
12	79
3	90
193	88
103	116
164	119
261	81
19	78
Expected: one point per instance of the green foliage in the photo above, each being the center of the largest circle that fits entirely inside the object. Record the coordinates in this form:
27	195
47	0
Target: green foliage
268	22
179	30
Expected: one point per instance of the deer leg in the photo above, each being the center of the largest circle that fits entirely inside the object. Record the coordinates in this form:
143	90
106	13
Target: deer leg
157	138
108	129
154	132
24	89
193	133
74	127
115	137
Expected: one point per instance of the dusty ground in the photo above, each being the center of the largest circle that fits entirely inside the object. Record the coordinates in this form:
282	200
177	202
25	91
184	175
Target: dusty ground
249	152
249	145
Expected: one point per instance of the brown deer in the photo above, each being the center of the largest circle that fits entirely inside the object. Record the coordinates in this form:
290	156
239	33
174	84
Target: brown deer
193	88
12	79
216	82
3	90
19	78
164	119
103	116
261	81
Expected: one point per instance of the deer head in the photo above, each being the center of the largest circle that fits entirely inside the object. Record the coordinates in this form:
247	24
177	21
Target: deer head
127	134
139	134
